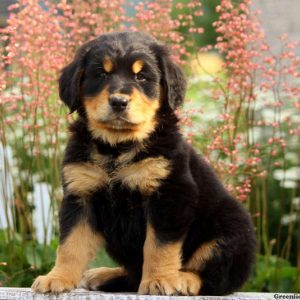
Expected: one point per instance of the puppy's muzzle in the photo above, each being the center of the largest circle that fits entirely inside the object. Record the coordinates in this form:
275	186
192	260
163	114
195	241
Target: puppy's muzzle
118	103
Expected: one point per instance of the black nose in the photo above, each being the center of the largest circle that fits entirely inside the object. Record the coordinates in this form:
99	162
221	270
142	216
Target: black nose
118	103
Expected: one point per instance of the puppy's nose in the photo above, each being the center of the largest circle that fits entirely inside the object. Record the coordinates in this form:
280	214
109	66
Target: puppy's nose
118	103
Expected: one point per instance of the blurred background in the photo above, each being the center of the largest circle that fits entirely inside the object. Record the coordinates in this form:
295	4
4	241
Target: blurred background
242	112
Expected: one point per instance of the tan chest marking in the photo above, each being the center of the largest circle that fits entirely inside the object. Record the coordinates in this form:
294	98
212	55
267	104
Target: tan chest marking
144	175
84	178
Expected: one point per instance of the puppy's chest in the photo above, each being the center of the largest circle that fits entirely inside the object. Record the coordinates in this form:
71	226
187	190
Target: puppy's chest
107	172
144	175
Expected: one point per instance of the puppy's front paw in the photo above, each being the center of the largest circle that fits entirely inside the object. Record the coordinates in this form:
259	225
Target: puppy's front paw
181	283
52	283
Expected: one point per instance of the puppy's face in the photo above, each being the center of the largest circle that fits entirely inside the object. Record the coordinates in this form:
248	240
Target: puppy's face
121	91
119	81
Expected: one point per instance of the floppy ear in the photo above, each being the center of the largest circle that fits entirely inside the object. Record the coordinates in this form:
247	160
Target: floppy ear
173	80
71	78
69	84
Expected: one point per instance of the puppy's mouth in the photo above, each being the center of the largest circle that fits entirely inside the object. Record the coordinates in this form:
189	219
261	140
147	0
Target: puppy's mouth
118	123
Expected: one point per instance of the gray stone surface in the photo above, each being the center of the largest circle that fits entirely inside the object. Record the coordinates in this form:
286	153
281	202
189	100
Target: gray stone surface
80	294
279	17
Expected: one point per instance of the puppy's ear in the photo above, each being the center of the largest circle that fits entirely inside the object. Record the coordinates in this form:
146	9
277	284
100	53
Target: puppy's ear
71	78
172	78
69	85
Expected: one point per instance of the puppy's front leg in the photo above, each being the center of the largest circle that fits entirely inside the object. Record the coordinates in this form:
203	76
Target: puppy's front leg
78	246
161	269
78	241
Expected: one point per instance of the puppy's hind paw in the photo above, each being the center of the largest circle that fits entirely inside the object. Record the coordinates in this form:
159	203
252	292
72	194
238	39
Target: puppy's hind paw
94	278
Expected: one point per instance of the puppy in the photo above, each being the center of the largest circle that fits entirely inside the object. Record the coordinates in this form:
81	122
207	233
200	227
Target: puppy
134	186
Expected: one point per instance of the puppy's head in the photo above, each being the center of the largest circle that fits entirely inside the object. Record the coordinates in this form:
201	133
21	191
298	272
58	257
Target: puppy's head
120	81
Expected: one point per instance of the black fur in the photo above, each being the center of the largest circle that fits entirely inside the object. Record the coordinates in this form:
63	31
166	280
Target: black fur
70	81
190	205
173	81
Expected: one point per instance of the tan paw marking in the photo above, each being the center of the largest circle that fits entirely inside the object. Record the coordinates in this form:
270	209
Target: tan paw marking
182	283
52	284
93	278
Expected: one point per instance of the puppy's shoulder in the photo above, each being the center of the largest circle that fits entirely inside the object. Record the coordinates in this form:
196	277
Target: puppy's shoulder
79	145
206	178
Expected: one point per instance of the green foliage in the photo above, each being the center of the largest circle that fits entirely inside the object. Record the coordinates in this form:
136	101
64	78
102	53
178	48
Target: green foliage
205	21
269	201
273	274
103	260
22	261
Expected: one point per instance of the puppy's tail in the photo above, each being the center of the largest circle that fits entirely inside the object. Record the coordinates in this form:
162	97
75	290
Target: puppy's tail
118	285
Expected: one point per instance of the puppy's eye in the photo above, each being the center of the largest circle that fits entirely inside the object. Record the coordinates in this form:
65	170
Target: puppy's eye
140	77
102	74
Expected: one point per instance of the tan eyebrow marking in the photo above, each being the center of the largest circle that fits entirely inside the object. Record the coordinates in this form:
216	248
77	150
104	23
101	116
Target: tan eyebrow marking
108	64
137	66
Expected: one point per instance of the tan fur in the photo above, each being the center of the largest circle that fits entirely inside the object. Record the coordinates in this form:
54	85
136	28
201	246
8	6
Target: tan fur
97	158
141	115
126	157
72	257
97	109
161	269
137	66
144	175
142	109
108	64
84	178
160	260
113	137
201	256
93	278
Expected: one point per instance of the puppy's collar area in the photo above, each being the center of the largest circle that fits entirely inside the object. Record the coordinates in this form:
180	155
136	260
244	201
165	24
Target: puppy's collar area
116	150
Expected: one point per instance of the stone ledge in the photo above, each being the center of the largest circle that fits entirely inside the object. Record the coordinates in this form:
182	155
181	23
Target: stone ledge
80	294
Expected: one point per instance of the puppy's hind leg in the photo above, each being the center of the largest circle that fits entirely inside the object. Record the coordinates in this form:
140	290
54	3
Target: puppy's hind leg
106	280
200	259
120	284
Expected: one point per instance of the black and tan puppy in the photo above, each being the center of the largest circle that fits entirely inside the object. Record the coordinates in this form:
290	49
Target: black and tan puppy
134	186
